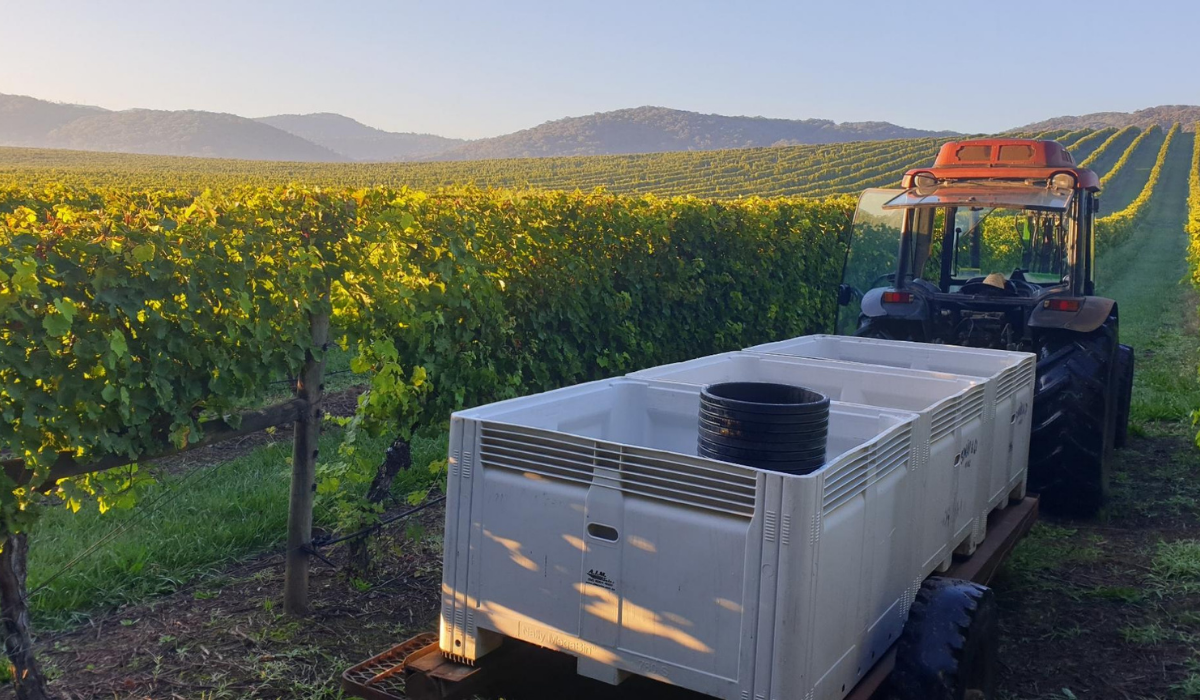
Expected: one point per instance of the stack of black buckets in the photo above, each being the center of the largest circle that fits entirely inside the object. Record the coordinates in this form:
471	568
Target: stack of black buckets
777	427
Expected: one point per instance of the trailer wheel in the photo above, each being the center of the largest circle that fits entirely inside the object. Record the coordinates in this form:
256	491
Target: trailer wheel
1124	393
947	650
1074	416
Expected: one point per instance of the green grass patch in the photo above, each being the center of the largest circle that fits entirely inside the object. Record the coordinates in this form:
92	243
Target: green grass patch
1149	278
1146	635
1189	687
1129	595
1166	384
1176	566
188	526
1128	184
1048	547
1190	618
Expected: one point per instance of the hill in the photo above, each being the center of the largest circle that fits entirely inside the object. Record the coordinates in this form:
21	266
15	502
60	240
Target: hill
185	133
357	141
1163	116
26	121
658	129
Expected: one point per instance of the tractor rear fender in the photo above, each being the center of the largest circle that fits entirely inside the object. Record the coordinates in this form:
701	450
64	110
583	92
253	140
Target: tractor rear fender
873	306
1090	315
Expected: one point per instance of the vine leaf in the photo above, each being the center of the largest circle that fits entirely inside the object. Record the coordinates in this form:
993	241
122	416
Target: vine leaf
118	344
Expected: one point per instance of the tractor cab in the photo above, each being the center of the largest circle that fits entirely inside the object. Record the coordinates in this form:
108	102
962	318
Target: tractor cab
974	249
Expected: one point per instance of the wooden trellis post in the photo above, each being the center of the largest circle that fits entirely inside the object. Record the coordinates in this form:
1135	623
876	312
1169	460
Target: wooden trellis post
310	388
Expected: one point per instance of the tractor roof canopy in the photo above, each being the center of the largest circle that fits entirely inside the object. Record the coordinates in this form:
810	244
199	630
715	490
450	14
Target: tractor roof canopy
991	195
1004	159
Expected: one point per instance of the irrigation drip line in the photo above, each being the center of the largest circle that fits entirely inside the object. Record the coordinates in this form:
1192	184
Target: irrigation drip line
314	552
379	525
292	380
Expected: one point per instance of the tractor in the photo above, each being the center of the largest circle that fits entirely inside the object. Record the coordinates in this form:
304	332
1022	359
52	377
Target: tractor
994	247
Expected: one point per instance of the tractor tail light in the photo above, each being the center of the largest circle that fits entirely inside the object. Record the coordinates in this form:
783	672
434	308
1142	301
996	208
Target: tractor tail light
1071	305
897	297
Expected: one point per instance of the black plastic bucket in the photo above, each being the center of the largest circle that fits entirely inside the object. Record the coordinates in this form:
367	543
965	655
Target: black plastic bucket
778	427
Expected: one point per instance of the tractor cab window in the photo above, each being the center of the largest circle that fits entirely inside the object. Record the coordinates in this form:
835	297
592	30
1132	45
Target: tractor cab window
1019	230
872	254
1045	250
1023	244
968	241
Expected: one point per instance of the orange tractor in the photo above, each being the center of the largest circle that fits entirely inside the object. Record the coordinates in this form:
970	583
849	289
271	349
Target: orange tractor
994	246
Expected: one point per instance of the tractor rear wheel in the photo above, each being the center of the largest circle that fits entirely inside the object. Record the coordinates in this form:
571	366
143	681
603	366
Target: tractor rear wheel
1124	393
1074	419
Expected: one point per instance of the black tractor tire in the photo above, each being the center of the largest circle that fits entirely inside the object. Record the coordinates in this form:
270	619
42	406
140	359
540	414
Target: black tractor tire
948	648
1074	419
1124	394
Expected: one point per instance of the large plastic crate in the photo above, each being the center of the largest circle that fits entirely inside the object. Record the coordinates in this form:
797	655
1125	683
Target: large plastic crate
950	421
582	520
1008	376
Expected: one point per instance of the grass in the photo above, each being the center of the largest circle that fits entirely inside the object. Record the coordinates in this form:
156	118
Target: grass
187	527
1047	548
1145	635
1148	276
1176	565
1190	687
1129	595
1128	183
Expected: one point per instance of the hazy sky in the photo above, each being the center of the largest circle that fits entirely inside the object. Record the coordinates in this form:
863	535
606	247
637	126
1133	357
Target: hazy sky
475	69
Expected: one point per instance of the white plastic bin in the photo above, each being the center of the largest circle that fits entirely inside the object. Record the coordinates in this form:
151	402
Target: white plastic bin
951	422
581	520
1008	376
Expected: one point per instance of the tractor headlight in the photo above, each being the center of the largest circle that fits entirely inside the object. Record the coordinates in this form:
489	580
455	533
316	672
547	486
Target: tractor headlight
1063	181
924	181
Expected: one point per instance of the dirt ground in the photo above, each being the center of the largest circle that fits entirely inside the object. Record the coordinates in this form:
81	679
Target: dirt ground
228	637
1110	608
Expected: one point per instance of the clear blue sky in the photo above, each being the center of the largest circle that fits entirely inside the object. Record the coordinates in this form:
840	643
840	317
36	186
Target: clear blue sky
476	69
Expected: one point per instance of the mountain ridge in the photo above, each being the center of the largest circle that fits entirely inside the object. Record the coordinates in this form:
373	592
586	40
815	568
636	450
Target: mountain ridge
186	133
651	129
1162	115
331	137
326	136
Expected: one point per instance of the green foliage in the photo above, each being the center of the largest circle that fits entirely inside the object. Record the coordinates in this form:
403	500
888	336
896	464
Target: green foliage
1193	225
128	318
